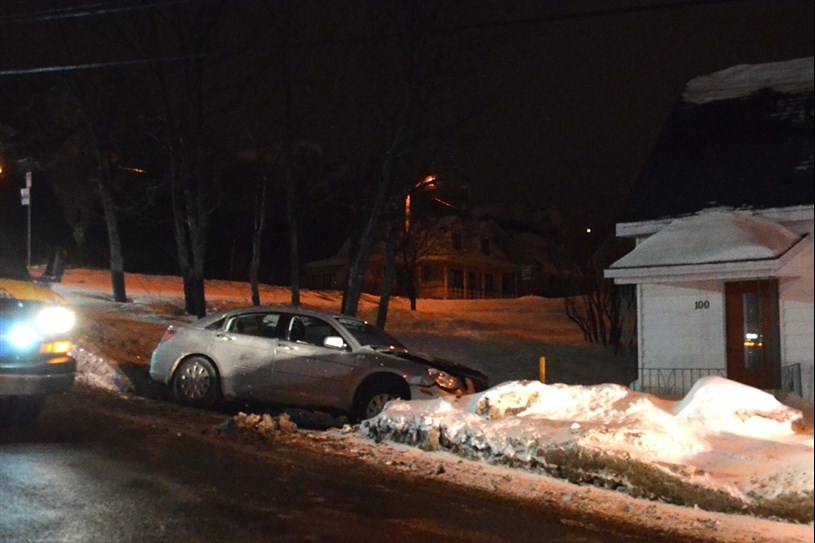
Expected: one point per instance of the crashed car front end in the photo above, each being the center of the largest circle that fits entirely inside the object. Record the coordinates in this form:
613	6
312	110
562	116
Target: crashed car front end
442	378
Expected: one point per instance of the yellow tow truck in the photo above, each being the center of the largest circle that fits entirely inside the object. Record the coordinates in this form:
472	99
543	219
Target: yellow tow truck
35	342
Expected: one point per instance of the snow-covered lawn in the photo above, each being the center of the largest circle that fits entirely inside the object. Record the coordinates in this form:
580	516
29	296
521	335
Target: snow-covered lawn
724	447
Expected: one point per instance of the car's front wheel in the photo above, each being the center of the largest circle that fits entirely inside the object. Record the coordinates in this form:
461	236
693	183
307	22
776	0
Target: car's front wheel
196	383
373	397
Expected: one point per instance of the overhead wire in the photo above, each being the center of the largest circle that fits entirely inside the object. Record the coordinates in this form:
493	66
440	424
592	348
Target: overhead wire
128	6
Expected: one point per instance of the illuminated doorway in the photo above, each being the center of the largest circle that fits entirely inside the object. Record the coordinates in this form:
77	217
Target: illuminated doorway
753	350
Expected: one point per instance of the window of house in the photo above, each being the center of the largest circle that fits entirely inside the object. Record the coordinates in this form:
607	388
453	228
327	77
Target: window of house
456	279
485	246
507	283
327	280
431	273
458	243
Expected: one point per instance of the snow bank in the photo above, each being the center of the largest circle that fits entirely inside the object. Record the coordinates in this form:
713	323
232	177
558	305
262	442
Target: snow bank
725	446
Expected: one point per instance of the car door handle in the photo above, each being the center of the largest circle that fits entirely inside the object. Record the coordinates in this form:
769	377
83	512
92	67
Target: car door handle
290	347
224	337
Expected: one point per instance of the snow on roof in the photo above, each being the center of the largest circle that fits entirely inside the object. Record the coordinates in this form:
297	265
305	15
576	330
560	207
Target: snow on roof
709	237
791	76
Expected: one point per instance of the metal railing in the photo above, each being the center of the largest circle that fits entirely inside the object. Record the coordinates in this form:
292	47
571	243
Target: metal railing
458	293
791	379
679	381
672	381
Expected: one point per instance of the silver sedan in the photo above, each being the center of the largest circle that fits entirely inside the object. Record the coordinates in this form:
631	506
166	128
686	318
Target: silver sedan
300	358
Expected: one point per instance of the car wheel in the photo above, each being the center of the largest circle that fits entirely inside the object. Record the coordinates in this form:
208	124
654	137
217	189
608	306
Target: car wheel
373	397
196	383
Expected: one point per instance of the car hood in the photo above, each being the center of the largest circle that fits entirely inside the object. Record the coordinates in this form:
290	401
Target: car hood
480	380
26	290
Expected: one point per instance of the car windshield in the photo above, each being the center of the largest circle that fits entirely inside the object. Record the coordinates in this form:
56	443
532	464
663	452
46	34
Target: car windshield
369	335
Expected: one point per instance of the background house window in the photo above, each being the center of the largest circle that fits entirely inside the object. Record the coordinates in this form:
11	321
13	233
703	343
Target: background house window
432	273
485	246
326	281
456	279
489	283
457	241
507	284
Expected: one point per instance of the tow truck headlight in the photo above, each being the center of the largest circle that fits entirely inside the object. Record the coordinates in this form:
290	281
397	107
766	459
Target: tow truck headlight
23	336
44	329
55	320
444	379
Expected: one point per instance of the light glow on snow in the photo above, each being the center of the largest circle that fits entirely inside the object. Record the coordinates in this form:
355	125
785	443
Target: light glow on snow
724	446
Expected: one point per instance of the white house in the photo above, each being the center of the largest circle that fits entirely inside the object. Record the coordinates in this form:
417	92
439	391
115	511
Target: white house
722	217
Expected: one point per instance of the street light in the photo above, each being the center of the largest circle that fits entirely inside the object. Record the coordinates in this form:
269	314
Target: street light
427	182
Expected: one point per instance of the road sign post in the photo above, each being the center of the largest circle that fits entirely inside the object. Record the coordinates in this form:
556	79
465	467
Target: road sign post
25	199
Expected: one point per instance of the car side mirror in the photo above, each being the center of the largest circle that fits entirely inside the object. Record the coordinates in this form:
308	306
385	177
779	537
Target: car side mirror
334	342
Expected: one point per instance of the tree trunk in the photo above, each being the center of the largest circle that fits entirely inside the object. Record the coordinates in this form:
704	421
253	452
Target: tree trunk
117	274
198	238
292	201
361	257
257	236
387	279
182	241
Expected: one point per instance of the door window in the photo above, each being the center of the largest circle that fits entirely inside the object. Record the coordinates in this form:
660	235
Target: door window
309	330
753	351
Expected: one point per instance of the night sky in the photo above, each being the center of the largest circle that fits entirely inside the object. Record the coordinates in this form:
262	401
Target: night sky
580	101
566	98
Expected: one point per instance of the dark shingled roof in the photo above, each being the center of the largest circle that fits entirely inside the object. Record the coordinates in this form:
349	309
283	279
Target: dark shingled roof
739	138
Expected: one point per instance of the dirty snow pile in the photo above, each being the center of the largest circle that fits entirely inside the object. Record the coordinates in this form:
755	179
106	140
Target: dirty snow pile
724	447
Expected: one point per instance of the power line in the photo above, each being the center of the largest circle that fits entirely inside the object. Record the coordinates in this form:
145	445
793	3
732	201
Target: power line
88	10
663	6
98	65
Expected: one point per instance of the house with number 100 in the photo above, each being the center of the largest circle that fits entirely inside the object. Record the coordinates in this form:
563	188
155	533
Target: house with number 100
722	219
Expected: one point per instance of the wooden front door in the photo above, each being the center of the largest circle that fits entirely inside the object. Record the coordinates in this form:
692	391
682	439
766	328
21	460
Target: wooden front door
753	350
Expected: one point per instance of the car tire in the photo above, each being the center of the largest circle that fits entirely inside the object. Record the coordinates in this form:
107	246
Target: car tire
373	397
21	411
196	383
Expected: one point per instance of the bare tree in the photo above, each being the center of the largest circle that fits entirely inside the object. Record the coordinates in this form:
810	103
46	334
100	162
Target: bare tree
94	122
605	313
106	164
408	112
187	121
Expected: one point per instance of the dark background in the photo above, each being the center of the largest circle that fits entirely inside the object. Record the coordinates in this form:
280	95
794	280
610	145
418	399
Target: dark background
564	101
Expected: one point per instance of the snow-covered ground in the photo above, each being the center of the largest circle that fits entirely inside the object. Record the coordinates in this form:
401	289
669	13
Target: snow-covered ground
724	447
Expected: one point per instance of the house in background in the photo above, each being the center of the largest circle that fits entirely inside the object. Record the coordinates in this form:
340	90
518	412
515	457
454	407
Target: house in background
451	258
722	217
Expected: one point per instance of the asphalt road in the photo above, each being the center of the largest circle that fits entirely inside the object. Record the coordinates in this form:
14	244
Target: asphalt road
99	468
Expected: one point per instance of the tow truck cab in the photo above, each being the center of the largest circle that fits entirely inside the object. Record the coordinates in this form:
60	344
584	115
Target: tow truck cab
35	343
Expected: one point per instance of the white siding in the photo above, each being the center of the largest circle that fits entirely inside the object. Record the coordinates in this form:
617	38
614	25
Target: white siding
797	319
675	331
682	326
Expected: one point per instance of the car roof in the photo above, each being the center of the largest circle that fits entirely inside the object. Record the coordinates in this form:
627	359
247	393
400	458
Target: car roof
281	309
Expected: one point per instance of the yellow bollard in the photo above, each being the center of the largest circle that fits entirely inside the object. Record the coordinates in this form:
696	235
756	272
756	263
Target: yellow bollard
542	369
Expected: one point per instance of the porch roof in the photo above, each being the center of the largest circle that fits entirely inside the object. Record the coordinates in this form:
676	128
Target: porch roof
714	244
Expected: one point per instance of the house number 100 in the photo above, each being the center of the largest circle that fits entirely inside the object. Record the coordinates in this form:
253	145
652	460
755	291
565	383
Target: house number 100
702	304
